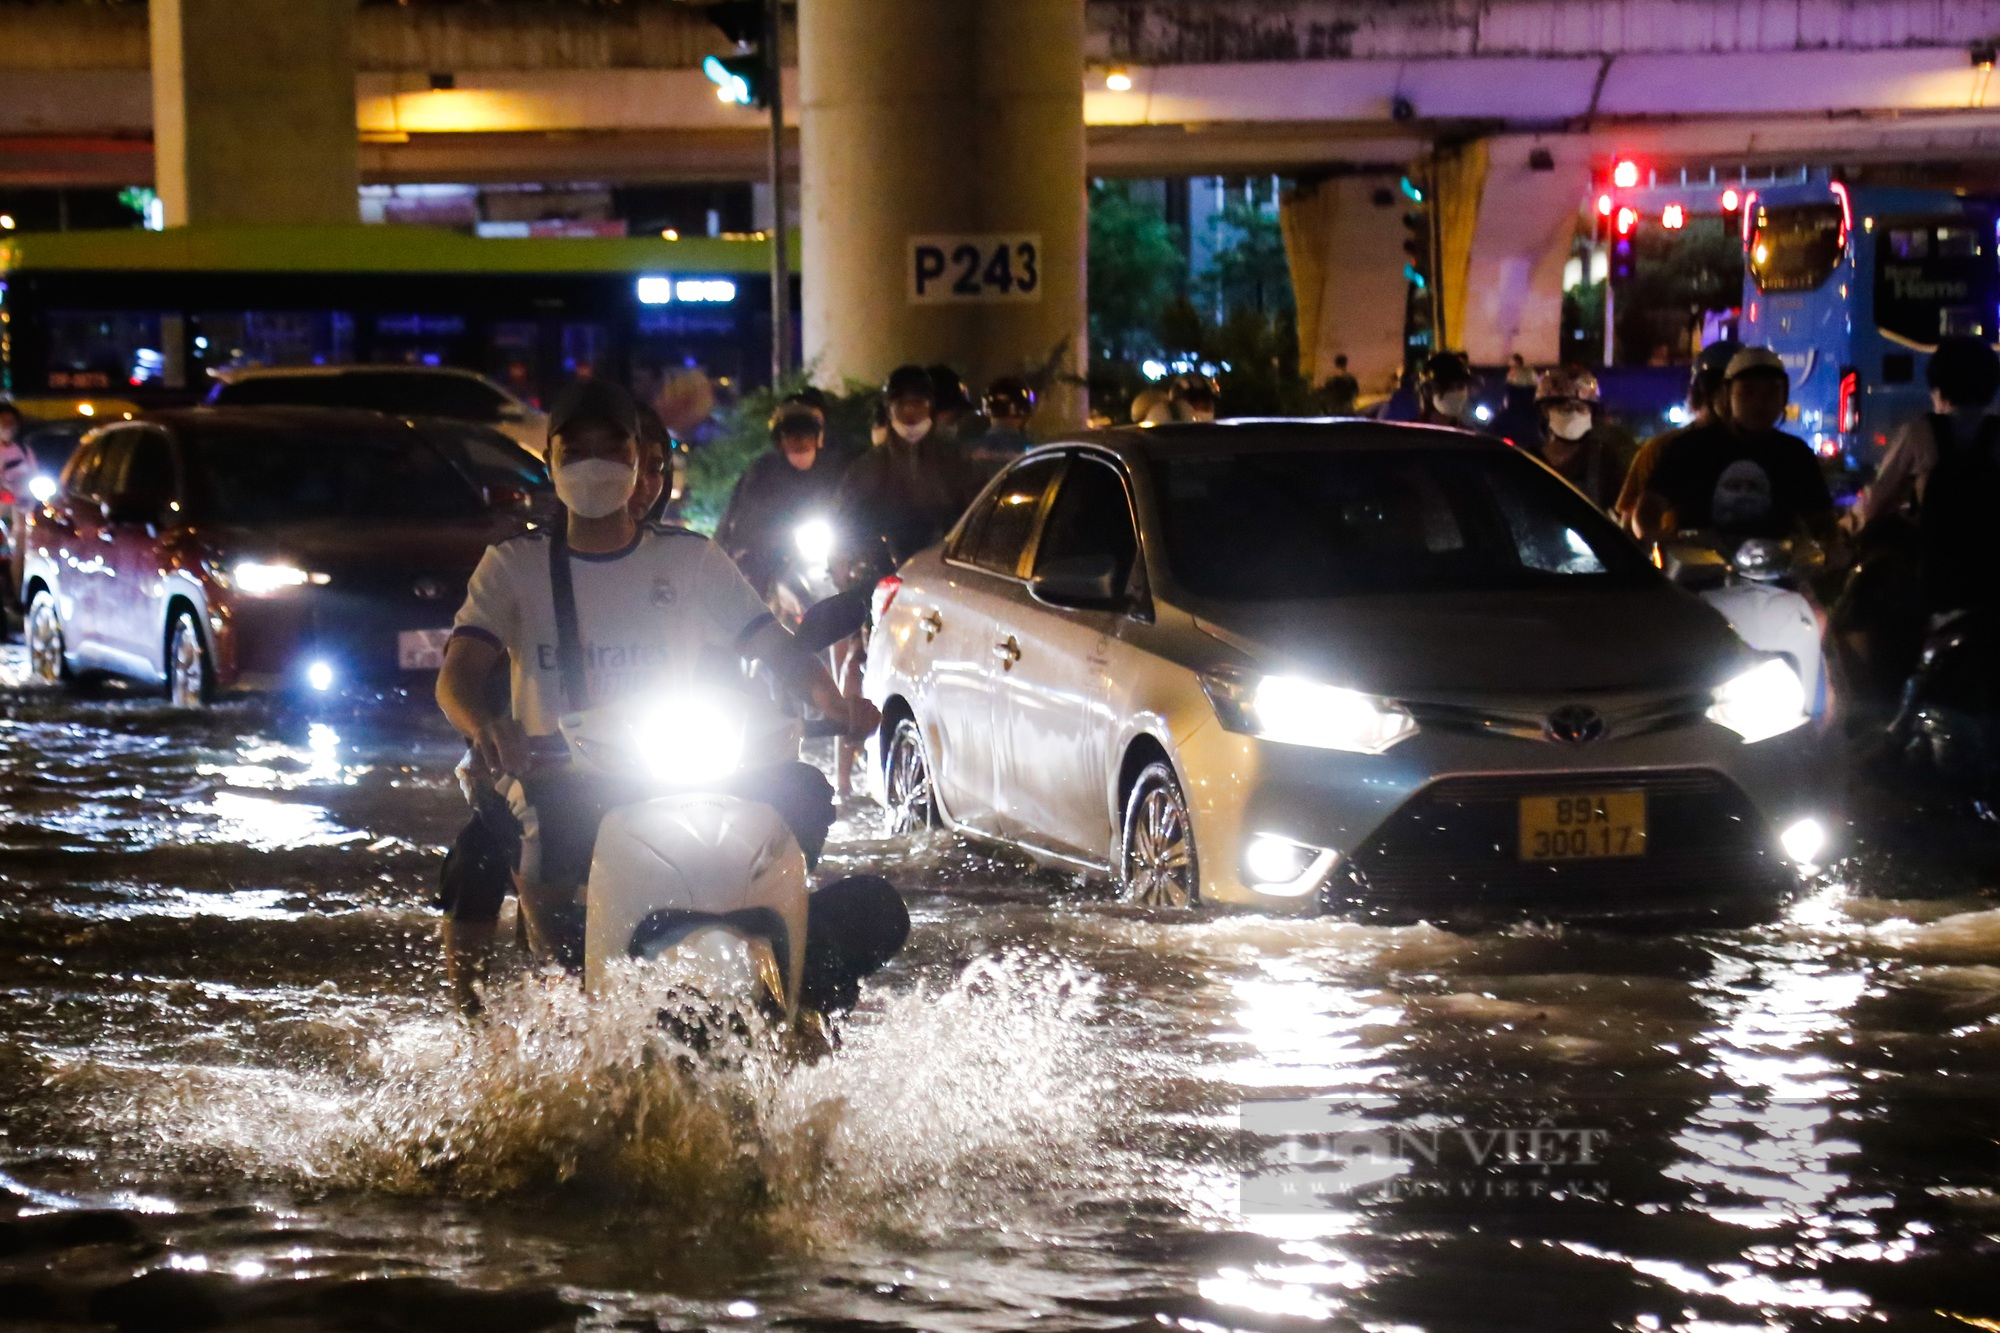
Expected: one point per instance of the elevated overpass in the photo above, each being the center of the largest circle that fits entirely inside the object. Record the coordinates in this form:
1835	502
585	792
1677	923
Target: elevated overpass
1523	95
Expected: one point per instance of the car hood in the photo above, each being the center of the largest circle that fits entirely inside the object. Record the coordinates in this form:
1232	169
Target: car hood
1453	645
336	546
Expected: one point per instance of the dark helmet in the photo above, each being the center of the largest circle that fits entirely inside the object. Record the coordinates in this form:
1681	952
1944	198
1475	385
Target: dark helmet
1009	397
948	390
793	417
1711	363
909	382
1447	370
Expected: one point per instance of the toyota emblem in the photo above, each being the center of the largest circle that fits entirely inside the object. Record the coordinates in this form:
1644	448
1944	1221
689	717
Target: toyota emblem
430	588
1575	724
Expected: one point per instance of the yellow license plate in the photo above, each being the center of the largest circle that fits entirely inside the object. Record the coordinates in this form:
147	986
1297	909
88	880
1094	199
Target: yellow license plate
1583	825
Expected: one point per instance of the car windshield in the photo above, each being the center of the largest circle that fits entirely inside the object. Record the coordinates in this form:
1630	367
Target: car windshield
1302	523
258	476
398	392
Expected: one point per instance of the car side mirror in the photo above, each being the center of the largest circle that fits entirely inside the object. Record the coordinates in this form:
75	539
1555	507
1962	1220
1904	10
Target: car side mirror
1083	580
512	414
507	497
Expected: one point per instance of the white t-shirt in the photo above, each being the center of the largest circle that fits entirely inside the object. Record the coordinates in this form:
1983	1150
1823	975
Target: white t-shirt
647	615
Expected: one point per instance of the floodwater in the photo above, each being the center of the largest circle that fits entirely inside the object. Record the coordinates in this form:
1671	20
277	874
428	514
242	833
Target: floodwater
233	1093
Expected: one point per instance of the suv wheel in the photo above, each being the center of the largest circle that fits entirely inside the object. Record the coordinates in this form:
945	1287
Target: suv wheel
190	681
906	781
1156	864
44	633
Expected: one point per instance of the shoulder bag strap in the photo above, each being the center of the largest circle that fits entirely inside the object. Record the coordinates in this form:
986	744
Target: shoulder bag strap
569	640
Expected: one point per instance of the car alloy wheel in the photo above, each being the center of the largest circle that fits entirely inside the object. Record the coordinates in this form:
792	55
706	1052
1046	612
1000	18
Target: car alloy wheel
189	681
45	640
1157	865
906	781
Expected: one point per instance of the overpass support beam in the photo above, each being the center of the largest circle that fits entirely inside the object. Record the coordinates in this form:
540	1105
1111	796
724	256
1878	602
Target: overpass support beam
253	110
955	127
1344	243
1512	294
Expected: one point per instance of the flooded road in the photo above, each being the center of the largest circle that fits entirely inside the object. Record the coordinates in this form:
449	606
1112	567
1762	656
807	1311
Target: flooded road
235	1094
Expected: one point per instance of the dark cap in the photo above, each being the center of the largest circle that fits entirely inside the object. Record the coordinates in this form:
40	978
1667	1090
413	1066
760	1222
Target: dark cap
909	382
596	401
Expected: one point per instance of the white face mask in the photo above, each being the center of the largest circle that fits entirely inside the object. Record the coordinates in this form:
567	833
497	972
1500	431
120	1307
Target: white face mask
595	487
1451	402
910	432
1569	423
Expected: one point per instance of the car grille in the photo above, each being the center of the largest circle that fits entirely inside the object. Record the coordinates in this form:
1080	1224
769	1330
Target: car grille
1454	847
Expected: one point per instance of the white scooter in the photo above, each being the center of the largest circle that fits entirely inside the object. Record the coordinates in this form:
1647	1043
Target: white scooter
1745	580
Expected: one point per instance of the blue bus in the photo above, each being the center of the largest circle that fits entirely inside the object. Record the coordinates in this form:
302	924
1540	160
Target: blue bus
1853	287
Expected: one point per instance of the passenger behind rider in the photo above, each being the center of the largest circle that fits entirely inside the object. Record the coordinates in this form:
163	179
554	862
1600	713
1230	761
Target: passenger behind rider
656	607
1742	476
1573	441
794	480
1445	391
1707	403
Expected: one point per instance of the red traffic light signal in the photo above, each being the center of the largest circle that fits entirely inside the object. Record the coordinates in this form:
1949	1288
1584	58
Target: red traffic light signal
1626	174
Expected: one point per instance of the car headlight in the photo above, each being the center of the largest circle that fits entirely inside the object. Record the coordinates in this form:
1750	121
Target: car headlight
814	540
691	743
257	578
1767	700
1294	711
42	487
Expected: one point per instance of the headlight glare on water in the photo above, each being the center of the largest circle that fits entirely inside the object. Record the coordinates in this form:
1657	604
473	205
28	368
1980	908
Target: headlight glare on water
1767	700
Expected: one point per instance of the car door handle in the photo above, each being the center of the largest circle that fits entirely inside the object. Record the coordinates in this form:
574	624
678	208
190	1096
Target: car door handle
1008	651
932	623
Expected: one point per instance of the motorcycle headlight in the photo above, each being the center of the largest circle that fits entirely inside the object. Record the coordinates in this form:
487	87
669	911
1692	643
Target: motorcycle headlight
691	743
1767	700
42	487
814	540
1294	711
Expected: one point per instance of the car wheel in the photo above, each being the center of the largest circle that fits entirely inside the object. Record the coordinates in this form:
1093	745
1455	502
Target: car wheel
190	680
44	633
1157	866
906	781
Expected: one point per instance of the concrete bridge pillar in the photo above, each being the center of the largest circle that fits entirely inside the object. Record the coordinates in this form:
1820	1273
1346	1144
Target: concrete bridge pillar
1512	295
942	199
253	110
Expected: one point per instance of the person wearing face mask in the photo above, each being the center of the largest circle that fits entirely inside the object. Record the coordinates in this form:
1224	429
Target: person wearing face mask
1572	442
1741	476
656	609
1446	391
908	492
793	481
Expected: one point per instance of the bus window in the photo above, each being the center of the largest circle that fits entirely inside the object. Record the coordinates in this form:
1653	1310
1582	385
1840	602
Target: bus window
273	337
1795	248
1934	278
93	350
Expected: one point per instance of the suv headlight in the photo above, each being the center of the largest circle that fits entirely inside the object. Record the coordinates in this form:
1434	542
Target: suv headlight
1767	700
1292	710
260	578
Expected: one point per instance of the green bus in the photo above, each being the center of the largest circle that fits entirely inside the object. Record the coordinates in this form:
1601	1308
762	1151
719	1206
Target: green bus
145	316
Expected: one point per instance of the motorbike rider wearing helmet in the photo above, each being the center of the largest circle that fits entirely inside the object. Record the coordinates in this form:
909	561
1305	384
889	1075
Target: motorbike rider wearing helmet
1445	391
1193	397
795	478
1009	403
655	607
908	492
1742	476
1573	442
951	405
1707	403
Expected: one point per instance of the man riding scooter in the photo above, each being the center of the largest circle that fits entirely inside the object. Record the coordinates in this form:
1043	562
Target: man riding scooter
649	609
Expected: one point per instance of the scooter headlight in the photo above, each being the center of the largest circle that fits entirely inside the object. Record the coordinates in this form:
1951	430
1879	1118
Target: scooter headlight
1295	711
814	541
692	742
1767	700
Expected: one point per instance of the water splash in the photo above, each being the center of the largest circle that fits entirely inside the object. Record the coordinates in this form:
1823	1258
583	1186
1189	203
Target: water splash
941	1099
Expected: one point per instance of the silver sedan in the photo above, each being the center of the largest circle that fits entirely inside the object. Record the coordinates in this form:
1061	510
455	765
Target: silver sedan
1394	670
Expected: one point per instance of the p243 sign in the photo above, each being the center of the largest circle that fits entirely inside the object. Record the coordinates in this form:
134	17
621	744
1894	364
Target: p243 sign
949	270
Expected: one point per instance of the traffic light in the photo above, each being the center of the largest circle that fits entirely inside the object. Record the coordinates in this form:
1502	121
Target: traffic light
1624	244
744	78
1417	246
